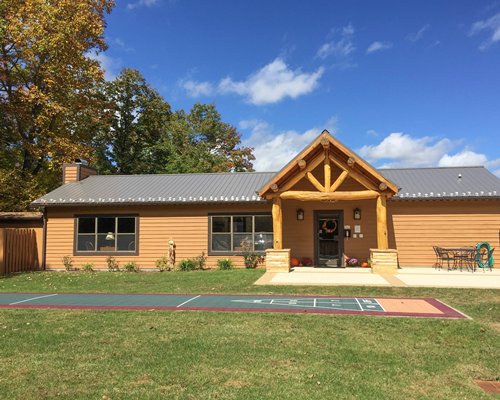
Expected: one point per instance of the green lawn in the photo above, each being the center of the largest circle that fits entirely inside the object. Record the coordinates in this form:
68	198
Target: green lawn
209	355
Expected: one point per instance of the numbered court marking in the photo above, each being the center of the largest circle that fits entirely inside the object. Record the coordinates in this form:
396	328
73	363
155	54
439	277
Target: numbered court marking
335	303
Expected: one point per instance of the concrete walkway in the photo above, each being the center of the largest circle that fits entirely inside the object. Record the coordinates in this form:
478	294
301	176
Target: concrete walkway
406	277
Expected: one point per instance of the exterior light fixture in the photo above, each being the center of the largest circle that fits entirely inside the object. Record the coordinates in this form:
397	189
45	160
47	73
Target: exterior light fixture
110	236
300	214
356	213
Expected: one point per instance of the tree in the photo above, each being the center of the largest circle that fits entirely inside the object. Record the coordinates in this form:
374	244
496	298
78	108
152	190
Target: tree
199	141
146	137
50	98
139	117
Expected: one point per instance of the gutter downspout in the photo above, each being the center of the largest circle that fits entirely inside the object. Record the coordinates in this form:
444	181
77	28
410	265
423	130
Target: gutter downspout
44	241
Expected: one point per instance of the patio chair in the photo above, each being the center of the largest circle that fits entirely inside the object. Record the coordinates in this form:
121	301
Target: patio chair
439	262
447	256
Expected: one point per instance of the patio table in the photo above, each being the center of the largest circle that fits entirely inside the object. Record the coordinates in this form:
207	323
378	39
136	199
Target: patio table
462	257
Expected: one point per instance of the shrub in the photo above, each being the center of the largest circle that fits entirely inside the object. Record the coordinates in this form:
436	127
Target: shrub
163	264
225	263
187	265
131	266
252	259
67	262
200	261
306	261
112	264
88	267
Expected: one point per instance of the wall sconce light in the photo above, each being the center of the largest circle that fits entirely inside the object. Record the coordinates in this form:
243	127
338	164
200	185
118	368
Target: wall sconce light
300	214
356	213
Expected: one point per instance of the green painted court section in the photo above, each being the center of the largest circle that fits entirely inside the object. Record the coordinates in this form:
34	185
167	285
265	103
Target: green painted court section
235	303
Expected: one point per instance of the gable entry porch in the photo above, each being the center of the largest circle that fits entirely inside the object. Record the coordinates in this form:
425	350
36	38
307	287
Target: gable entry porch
317	201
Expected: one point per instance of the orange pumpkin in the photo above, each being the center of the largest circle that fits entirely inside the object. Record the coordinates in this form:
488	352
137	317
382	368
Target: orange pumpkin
294	262
364	264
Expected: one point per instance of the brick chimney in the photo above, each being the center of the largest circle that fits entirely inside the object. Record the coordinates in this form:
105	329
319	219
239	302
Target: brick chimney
77	171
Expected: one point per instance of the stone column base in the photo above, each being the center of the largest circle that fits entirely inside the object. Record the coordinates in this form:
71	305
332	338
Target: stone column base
278	260
384	261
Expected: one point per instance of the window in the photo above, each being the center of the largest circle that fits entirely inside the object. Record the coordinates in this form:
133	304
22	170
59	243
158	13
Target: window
106	234
237	233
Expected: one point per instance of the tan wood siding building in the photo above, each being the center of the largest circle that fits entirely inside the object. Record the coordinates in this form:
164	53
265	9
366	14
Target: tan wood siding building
309	204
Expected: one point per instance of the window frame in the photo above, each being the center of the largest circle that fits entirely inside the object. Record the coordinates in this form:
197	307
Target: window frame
231	232
77	252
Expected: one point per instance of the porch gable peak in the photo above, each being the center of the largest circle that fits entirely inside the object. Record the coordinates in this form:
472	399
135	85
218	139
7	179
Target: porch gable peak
327	151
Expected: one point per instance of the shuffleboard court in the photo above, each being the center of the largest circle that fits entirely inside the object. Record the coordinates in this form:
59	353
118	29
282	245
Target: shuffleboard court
402	307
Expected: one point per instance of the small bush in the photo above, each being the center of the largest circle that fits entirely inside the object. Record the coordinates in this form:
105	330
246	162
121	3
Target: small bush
131	266
252	259
187	265
163	264
112	264
200	261
88	267
68	263
225	263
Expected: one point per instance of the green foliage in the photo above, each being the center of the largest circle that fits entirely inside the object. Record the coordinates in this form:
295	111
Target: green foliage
225	263
68	263
88	267
252	259
187	265
112	264
163	264
200	261
131	266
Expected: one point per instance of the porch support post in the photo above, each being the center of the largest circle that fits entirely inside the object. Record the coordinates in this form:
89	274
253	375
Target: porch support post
382	241
277	258
277	224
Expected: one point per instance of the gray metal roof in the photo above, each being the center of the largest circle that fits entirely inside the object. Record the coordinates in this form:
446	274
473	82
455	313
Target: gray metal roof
173	188
445	182
414	183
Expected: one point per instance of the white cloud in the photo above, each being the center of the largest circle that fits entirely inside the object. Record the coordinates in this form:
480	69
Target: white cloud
402	150
274	149
465	157
272	83
339	48
470	158
111	66
142	3
490	25
372	132
415	37
377	46
197	89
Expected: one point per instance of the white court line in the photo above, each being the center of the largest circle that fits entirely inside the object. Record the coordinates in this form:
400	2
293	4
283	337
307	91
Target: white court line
380	305
359	304
314	304
33	298
187	301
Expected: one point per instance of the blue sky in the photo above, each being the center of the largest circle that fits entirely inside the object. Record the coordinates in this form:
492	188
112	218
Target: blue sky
405	84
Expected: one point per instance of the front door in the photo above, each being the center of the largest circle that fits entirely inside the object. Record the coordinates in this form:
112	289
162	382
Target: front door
329	239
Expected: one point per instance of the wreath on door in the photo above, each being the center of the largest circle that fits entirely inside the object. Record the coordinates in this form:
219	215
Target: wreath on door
329	225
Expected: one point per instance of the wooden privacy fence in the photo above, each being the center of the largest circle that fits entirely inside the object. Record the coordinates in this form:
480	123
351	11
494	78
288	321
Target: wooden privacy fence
18	250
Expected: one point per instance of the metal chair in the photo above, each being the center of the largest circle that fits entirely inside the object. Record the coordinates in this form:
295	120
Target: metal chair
439	262
447	256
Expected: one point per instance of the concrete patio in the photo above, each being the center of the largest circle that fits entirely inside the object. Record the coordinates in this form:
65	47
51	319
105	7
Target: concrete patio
406	277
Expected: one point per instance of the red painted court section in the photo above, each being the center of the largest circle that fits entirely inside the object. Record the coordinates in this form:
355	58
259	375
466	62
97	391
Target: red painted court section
380	306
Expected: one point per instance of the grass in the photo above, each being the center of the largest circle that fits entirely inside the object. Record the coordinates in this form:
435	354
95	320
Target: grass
193	355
